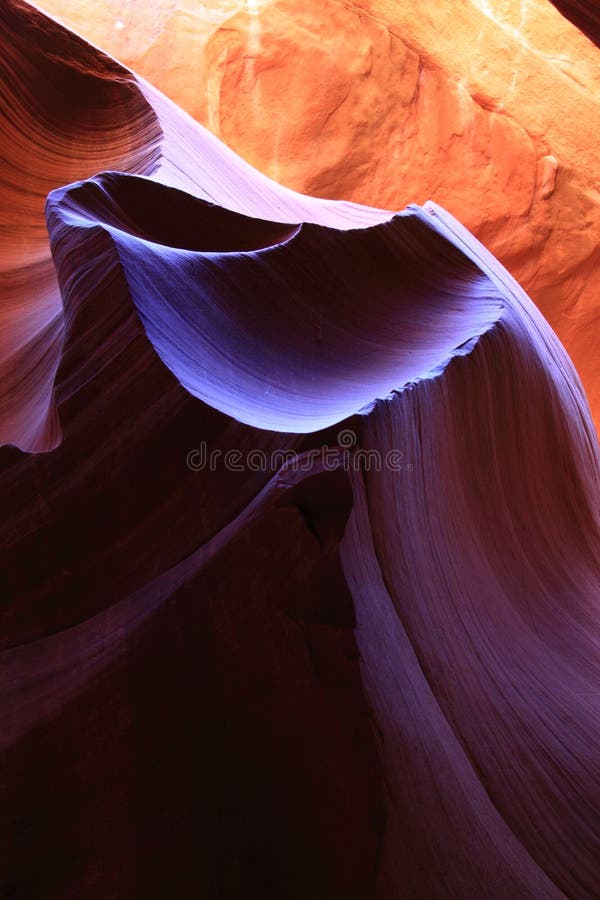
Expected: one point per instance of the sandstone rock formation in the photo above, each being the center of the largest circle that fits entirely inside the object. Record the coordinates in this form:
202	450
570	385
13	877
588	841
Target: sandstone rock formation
366	670
489	107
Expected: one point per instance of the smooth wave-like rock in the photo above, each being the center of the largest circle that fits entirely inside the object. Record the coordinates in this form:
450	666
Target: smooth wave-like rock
349	677
387	105
471	570
239	290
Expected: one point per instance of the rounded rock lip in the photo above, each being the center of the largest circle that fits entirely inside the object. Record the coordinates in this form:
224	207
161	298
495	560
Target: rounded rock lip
166	216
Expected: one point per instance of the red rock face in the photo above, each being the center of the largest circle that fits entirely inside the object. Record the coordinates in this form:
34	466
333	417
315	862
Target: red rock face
300	539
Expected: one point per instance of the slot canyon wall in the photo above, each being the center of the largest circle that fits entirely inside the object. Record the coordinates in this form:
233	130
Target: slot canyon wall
300	543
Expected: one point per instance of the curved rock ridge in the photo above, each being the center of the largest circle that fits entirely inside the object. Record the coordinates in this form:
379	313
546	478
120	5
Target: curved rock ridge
483	567
213	303
373	101
364	673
